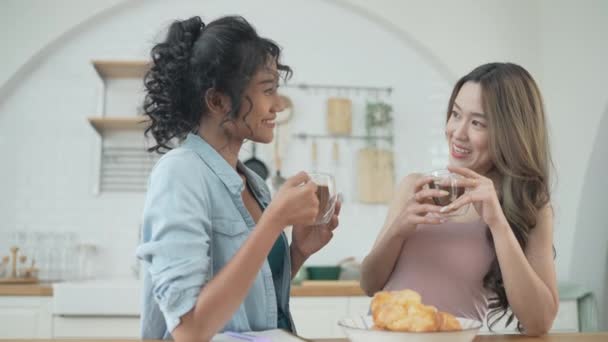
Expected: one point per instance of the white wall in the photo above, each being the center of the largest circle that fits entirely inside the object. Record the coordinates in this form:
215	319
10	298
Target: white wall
574	54
590	245
50	105
39	32
561	42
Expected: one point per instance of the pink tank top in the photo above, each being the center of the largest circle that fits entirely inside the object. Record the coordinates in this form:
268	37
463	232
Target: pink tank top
446	264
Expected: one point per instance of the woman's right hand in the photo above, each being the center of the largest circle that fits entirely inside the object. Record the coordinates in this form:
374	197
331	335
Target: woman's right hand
296	202
419	209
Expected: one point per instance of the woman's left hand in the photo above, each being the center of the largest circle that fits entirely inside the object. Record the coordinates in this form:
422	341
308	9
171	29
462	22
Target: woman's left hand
481	193
309	239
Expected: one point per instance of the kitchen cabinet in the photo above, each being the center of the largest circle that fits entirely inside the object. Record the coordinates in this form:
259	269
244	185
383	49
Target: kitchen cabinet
317	317
566	321
25	317
110	309
73	326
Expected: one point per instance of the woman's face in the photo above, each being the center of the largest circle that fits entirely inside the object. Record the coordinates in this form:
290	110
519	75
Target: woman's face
467	131
259	107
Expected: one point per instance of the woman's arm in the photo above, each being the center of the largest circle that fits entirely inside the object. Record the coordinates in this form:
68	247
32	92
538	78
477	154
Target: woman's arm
306	241
529	278
224	293
406	211
221	296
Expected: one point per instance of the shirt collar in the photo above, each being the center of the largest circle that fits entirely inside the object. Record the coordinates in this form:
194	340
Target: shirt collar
216	163
228	175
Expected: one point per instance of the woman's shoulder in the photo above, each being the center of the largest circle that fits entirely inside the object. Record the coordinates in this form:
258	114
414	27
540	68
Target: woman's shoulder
178	158
179	164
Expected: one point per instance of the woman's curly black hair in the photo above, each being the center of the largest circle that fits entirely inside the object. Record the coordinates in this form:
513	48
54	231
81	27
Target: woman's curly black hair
223	55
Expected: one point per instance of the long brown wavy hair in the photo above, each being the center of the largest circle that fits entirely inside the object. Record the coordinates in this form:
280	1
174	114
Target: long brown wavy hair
519	149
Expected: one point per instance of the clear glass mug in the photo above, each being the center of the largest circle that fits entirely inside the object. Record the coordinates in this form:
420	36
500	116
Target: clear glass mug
445	180
327	195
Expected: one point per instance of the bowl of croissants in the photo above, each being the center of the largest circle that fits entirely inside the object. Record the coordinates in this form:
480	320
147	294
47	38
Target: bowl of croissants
400	316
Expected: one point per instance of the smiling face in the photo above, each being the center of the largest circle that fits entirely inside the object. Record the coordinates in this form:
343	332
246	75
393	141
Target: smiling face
259	106
467	130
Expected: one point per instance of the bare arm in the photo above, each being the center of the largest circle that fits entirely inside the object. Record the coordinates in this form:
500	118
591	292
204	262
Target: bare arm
225	292
529	277
297	260
406	211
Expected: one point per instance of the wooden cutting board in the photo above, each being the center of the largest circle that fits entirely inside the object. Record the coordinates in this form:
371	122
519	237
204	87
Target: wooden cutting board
375	175
339	116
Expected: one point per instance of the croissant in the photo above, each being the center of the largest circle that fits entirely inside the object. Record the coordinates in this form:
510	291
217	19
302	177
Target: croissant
404	311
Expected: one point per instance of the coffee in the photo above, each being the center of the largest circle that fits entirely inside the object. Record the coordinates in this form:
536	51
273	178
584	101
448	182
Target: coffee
323	196
454	193
326	194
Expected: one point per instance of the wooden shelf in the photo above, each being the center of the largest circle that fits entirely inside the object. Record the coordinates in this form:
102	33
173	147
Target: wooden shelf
121	68
101	124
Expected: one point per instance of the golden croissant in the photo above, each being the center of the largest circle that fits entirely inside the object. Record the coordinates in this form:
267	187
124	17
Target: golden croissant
404	311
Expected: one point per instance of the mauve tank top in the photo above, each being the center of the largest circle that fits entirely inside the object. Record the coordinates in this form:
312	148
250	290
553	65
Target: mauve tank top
446	264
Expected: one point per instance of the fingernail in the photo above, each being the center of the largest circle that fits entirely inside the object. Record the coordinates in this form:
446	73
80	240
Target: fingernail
444	193
444	209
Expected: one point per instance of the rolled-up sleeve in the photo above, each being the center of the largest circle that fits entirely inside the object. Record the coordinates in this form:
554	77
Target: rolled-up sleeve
175	239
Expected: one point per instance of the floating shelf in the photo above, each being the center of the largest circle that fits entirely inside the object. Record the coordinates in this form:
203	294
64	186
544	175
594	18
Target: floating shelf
121	68
102	124
305	136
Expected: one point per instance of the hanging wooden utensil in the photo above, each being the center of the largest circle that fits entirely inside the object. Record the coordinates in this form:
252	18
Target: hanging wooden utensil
339	116
375	175
314	156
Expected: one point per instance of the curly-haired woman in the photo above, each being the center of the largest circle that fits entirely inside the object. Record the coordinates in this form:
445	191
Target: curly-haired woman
214	251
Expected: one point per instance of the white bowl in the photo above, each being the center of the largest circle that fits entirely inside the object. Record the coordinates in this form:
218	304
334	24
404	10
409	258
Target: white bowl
359	329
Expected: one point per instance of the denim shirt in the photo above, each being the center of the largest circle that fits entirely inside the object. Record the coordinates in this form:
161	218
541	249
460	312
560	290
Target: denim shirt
194	223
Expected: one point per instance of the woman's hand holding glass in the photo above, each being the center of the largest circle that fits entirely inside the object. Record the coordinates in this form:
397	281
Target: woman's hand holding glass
309	239
419	209
295	203
482	194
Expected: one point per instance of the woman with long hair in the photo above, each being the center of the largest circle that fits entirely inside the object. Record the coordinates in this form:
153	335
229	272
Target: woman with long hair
215	254
498	256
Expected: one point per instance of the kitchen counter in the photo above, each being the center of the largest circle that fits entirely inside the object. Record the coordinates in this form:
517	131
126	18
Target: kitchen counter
41	289
596	337
306	289
342	288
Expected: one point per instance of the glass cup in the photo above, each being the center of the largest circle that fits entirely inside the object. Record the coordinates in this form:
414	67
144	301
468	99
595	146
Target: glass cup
445	180
326	193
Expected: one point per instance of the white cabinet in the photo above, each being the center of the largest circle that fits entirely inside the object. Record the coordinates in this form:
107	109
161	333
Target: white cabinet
96	327
25	317
567	317
565	321
317	317
96	309
314	317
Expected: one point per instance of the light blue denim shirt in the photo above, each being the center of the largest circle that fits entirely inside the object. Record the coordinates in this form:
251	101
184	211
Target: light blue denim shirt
194	223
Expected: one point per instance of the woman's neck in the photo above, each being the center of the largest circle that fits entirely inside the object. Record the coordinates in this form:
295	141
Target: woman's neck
228	148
